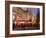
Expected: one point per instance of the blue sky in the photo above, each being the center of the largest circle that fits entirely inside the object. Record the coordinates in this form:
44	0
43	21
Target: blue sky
33	11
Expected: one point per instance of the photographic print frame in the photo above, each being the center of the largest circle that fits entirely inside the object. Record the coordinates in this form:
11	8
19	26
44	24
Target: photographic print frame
9	5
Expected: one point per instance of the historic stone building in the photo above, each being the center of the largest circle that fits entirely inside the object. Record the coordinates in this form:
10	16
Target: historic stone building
20	16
